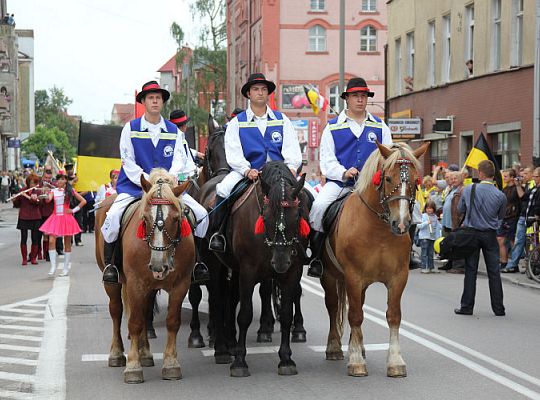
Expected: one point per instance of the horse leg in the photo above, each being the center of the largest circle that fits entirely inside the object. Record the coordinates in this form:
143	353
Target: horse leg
116	309
133	372
357	363
267	321
239	367
299	332
395	366
218	309
286	365
150	331
331	300
233	292
195	339
171	367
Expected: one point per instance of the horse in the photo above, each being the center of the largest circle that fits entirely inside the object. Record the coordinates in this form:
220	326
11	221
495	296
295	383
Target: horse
374	249
165	262
276	206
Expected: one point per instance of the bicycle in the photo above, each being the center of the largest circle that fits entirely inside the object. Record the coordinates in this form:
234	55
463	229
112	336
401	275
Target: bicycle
532	250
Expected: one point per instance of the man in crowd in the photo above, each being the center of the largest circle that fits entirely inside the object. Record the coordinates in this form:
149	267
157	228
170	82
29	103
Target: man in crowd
507	231
5	182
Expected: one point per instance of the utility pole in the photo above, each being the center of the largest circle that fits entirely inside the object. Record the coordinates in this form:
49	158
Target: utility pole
536	111
342	52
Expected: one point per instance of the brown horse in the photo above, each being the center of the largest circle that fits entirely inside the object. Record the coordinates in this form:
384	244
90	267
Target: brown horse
164	262
374	249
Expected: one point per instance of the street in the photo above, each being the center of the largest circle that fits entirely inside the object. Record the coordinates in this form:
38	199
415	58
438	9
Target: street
55	337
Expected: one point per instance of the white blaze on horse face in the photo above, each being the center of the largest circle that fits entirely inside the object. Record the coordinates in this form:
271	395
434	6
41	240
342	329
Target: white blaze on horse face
158	258
403	208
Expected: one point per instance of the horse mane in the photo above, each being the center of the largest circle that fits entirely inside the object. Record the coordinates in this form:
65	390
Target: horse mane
376	161
166	190
271	175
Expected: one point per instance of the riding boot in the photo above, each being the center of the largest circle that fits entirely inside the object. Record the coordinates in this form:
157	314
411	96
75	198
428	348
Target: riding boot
315	269
200	270
24	254
52	257
110	273
46	250
217	241
33	254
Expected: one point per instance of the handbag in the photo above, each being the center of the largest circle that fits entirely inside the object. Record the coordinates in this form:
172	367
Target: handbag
463	241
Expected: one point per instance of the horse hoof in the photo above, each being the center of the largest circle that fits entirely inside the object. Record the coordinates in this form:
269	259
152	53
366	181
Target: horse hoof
298	337
357	370
287	370
397	371
117	361
264	337
196	342
133	376
334	355
151	333
241	372
223	358
171	373
147	361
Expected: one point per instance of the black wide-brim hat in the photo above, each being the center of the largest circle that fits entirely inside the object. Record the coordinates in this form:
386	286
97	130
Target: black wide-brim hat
179	117
357	85
150	87
255	79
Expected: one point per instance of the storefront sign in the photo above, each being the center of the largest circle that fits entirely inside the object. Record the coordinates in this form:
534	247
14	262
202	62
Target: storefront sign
401	127
293	97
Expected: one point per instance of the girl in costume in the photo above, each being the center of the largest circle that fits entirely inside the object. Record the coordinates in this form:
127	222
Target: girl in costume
62	223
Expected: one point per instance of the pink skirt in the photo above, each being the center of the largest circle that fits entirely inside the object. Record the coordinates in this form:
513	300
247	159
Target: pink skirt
60	225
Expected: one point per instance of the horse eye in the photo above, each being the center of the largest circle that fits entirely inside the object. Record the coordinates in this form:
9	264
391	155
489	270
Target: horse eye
388	179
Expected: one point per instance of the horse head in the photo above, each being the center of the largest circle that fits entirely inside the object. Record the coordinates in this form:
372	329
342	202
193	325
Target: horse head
393	173
215	159
281	213
162	219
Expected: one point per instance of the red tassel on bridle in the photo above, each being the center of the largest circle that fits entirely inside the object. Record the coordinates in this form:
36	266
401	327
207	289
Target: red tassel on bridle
259	226
376	179
185	228
141	230
303	228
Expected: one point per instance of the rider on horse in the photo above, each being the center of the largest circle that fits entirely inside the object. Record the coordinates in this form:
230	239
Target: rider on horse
346	143
253	137
145	143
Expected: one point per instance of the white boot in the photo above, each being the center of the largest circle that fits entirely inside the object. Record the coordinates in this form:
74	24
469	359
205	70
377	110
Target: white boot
65	272
52	257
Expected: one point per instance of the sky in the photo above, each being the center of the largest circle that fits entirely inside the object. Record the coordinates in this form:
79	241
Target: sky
100	51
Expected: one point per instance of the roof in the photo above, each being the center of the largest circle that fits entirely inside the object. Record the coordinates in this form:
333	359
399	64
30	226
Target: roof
169	66
123	112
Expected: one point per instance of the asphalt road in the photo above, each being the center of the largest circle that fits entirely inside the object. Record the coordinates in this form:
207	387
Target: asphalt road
55	336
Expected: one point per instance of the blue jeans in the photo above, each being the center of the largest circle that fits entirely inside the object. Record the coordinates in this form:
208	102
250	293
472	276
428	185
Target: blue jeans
519	243
427	253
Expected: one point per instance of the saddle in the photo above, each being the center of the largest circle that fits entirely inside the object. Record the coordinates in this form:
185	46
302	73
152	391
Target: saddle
332	213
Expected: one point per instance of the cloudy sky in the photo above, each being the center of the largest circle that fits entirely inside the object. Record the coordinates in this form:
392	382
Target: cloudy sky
100	51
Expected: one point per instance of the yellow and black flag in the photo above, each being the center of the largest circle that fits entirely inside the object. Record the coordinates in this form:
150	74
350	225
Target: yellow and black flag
98	154
481	152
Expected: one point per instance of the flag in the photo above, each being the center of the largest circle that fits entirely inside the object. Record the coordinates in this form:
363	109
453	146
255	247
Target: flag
139	108
316	101
420	198
272	101
481	152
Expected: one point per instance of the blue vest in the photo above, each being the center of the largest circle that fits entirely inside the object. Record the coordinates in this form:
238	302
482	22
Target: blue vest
258	148
146	155
350	150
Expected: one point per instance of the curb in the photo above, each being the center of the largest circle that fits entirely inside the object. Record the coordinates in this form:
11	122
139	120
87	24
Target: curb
516	282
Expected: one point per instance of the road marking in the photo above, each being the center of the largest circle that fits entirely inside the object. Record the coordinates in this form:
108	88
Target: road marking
20	361
21	337
345	347
18	310
10	376
18	348
25	319
22	328
40	305
10	394
311	287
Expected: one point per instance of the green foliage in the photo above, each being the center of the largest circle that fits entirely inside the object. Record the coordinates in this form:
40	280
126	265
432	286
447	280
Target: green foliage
43	137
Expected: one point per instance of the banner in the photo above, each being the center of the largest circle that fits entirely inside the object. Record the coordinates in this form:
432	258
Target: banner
313	133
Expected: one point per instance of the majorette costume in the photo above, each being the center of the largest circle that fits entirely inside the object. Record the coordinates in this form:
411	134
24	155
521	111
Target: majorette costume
29	219
59	223
46	208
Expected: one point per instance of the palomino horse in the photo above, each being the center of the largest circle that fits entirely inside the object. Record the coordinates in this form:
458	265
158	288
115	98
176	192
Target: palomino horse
370	243
165	262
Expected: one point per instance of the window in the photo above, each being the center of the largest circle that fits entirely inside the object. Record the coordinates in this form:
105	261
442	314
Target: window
369	5
410	54
333	98
398	67
317	5
517	32
431	53
496	35
507	148
368	38
317	38
439	151
469	37
446	50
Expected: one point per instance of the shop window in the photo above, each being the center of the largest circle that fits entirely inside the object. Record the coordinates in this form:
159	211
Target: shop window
439	151
506	148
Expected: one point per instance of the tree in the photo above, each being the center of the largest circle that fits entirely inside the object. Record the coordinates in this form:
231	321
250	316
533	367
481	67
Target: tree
48	139
51	112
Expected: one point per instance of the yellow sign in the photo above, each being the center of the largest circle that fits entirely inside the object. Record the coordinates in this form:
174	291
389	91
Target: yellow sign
407	113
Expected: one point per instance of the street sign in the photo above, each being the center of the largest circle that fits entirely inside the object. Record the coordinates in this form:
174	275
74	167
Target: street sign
405	127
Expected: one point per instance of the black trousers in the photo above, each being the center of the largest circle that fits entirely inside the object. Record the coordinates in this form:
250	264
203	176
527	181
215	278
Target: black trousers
487	242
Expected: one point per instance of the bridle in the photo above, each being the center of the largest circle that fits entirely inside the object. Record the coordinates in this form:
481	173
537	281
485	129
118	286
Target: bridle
159	223
385	199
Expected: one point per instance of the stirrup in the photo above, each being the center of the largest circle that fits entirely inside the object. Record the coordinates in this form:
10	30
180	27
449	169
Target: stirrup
219	247
315	269
201	276
111	275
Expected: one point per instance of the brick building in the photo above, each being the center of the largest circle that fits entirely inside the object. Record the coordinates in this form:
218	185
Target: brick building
296	43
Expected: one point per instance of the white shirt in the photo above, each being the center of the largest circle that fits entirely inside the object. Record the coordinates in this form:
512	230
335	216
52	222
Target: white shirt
233	146
181	162
330	166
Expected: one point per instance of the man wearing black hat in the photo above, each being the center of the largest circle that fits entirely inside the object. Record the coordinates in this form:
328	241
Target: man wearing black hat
145	143
346	143
252	138
180	119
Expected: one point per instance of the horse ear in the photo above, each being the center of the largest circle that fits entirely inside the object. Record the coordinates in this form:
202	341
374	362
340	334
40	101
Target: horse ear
299	170
178	190
385	151
299	186
419	152
145	184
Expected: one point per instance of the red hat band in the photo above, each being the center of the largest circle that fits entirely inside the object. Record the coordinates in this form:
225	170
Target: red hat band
179	120
358	89
151	87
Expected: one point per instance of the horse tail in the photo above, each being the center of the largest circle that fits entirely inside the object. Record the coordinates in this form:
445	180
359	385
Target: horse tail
342	306
125	301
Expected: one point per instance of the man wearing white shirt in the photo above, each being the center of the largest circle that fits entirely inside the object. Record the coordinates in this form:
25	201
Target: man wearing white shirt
346	143
252	138
146	143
